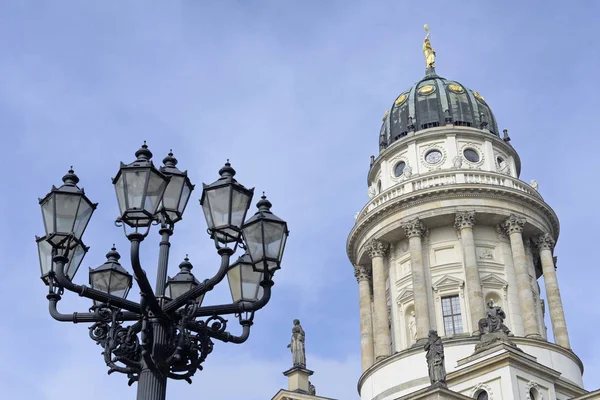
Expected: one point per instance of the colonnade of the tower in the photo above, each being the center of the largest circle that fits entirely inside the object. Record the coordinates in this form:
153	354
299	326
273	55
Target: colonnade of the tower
374	313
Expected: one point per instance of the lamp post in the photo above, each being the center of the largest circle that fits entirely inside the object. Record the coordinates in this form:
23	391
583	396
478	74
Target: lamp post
169	333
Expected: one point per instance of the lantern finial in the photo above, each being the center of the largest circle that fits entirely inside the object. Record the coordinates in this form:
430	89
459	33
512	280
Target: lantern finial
227	171
143	154
70	179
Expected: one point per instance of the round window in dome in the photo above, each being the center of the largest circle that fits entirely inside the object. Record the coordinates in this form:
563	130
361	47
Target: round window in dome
399	168
471	155
433	156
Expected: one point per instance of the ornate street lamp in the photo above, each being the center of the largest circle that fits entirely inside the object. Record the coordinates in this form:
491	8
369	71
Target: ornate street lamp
225	203
244	281
140	188
66	212
265	235
111	277
172	332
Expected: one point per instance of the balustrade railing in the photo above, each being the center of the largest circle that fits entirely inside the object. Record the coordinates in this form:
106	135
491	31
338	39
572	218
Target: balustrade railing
446	178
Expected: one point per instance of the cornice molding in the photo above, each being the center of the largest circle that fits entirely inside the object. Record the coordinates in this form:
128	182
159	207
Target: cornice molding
413	199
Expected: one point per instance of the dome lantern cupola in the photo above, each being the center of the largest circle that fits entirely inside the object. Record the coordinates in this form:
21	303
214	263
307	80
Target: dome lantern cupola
435	101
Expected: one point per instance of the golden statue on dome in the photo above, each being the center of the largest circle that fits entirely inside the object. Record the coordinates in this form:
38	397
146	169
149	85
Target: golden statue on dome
428	51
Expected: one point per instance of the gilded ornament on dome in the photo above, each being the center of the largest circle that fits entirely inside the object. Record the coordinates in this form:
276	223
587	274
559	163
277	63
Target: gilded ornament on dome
425	90
401	99
387	112
478	96
453	87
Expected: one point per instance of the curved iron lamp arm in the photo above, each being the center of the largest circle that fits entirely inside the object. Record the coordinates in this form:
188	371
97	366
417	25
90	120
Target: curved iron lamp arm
90	293
238	308
140	275
206	286
77	317
228	337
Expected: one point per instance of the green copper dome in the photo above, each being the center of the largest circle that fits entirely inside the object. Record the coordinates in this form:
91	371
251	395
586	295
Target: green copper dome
435	101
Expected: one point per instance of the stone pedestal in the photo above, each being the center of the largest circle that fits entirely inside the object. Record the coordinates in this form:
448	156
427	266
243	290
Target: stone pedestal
298	379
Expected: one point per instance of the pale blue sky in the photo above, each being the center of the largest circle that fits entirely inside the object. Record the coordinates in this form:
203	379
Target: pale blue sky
293	93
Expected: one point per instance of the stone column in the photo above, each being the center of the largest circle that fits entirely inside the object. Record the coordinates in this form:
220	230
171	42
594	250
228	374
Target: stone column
464	222
557	316
414	229
361	273
514	227
381	329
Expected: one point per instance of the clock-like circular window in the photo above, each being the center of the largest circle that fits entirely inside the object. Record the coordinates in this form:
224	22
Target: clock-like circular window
399	168
433	156
471	155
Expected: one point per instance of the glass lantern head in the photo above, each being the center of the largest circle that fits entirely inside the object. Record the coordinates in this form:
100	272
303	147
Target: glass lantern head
75	251
178	190
244	281
265	235
66	211
111	277
140	188
183	282
225	203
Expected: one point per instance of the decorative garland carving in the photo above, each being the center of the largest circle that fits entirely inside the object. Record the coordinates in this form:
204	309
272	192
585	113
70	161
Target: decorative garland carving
361	273
427	149
414	227
514	223
376	248
546	242
393	162
482	387
464	219
532	385
477	148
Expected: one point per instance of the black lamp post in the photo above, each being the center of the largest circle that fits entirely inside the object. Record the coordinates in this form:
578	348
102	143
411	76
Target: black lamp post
171	333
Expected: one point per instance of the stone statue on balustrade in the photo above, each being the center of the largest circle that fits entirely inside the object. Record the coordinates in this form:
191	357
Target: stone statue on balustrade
297	345
492	328
435	360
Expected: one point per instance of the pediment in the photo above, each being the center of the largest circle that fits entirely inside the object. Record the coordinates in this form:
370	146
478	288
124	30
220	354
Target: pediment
405	296
493	281
447	282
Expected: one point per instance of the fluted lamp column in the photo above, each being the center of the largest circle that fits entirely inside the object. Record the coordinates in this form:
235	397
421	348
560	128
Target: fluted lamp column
557	315
464	223
514	227
415	230
381	330
362	275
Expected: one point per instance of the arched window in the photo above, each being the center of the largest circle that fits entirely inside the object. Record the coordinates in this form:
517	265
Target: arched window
483	395
378	187
533	395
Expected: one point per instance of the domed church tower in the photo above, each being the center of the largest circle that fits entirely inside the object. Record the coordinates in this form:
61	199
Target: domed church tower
453	241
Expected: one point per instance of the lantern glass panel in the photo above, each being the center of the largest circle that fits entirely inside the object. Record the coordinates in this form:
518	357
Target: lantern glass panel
274	236
185	196
218	200
235	283
254	241
156	189
239	206
83	217
173	192
75	258
45	254
48	214
135	185
120	189
100	280
250	282
176	289
66	211
119	284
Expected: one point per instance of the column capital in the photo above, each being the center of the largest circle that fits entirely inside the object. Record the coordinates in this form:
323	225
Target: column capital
361	273
464	219
376	248
514	223
545	242
413	227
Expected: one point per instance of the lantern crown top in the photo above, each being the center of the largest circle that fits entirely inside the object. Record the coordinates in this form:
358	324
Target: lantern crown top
227	171
170	161
70	179
263	204
186	266
113	255
143	154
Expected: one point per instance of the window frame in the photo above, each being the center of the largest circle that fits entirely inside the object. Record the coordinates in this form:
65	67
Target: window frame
453	314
